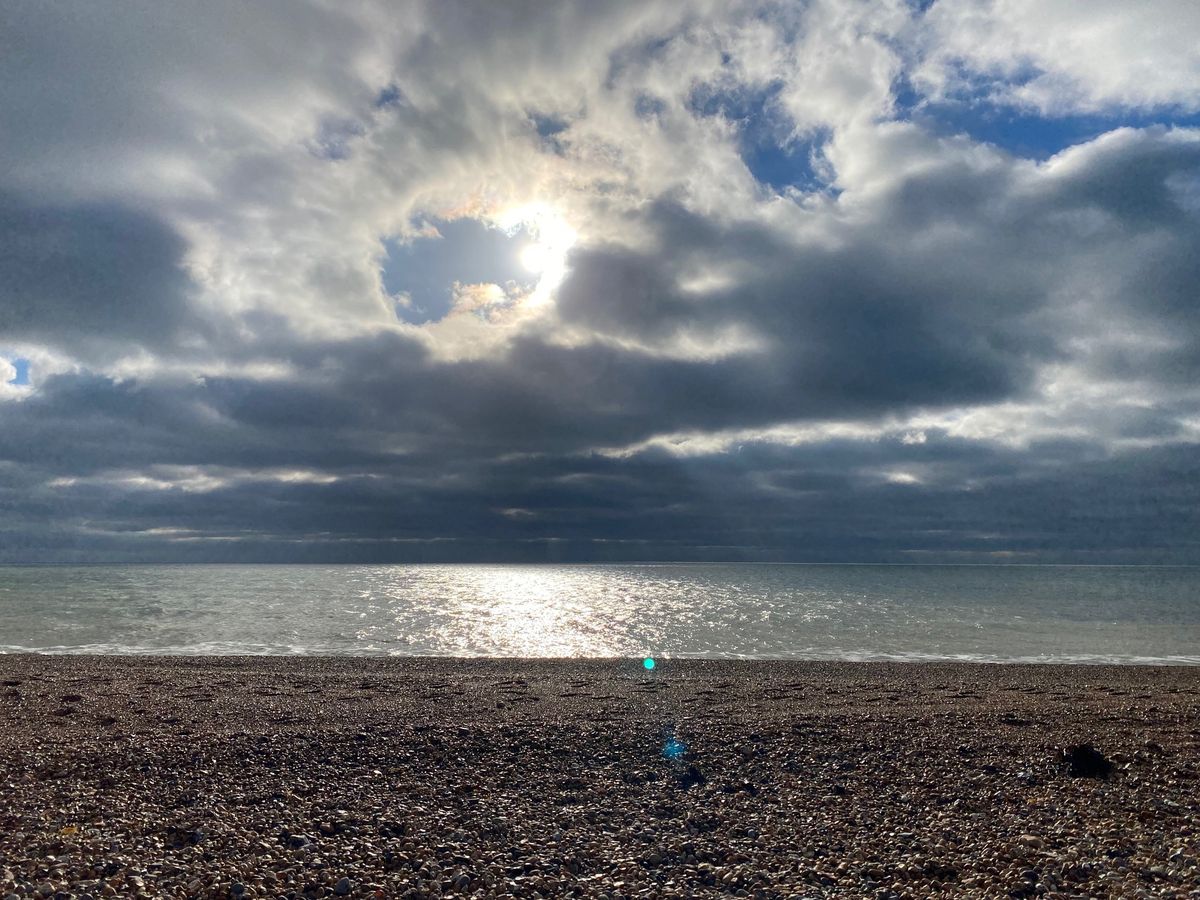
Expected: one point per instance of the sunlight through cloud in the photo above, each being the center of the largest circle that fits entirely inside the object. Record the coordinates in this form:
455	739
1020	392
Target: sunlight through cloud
550	239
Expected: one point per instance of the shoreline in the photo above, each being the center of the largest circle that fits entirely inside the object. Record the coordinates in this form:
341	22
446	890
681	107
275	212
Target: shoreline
254	776
1131	662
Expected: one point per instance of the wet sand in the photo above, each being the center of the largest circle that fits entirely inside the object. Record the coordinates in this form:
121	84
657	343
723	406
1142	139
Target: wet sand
288	777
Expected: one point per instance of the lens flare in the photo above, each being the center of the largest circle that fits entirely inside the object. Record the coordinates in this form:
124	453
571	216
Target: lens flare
649	663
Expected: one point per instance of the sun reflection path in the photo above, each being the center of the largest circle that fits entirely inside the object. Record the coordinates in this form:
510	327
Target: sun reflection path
538	612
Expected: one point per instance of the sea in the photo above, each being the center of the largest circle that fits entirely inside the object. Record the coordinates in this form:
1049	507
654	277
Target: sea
1071	614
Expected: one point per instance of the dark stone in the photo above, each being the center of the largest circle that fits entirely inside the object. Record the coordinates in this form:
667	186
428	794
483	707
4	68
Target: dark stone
704	824
393	829
943	872
1015	720
1085	761
690	777
178	837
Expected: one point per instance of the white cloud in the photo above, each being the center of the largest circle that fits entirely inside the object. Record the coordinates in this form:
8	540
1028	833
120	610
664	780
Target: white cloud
1061	56
841	68
8	372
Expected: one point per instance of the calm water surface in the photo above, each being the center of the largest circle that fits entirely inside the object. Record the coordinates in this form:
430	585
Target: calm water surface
1053	613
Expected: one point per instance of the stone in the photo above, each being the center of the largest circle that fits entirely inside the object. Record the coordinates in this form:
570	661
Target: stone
1085	761
342	888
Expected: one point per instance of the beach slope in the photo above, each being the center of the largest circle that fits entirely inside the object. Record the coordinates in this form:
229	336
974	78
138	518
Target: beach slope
307	777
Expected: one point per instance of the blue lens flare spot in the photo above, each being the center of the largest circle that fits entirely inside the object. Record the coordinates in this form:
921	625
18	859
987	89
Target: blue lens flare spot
648	662
674	749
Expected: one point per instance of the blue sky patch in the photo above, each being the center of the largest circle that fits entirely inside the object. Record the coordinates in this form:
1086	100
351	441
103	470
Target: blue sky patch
750	106
789	165
389	96
1021	132
22	367
1031	136
549	128
774	157
468	251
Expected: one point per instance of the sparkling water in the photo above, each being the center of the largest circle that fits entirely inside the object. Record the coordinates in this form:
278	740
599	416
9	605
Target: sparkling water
1027	613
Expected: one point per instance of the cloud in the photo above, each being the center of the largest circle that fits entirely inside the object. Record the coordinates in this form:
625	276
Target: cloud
1056	57
217	249
91	278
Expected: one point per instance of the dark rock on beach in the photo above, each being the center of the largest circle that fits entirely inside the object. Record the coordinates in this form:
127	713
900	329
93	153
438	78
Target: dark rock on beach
1085	761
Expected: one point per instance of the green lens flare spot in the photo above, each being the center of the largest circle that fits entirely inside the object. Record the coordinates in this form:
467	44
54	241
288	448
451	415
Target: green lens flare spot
648	662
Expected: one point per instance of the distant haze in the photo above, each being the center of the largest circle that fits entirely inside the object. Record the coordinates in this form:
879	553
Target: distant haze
449	281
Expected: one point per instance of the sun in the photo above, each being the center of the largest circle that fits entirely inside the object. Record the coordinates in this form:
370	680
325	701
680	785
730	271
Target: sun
550	239
536	257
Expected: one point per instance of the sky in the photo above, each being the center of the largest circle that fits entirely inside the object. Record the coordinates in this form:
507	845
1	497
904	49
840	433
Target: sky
600	281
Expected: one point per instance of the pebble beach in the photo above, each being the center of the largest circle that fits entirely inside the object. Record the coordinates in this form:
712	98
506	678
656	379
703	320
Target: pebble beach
240	777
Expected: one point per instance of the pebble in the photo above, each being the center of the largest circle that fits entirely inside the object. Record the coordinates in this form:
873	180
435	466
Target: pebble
799	781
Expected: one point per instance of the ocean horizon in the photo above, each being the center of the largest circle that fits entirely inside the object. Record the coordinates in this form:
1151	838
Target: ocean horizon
1055	613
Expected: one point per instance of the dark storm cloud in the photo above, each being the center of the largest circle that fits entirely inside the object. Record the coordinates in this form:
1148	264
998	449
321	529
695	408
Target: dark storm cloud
936	350
845	332
763	503
86	276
